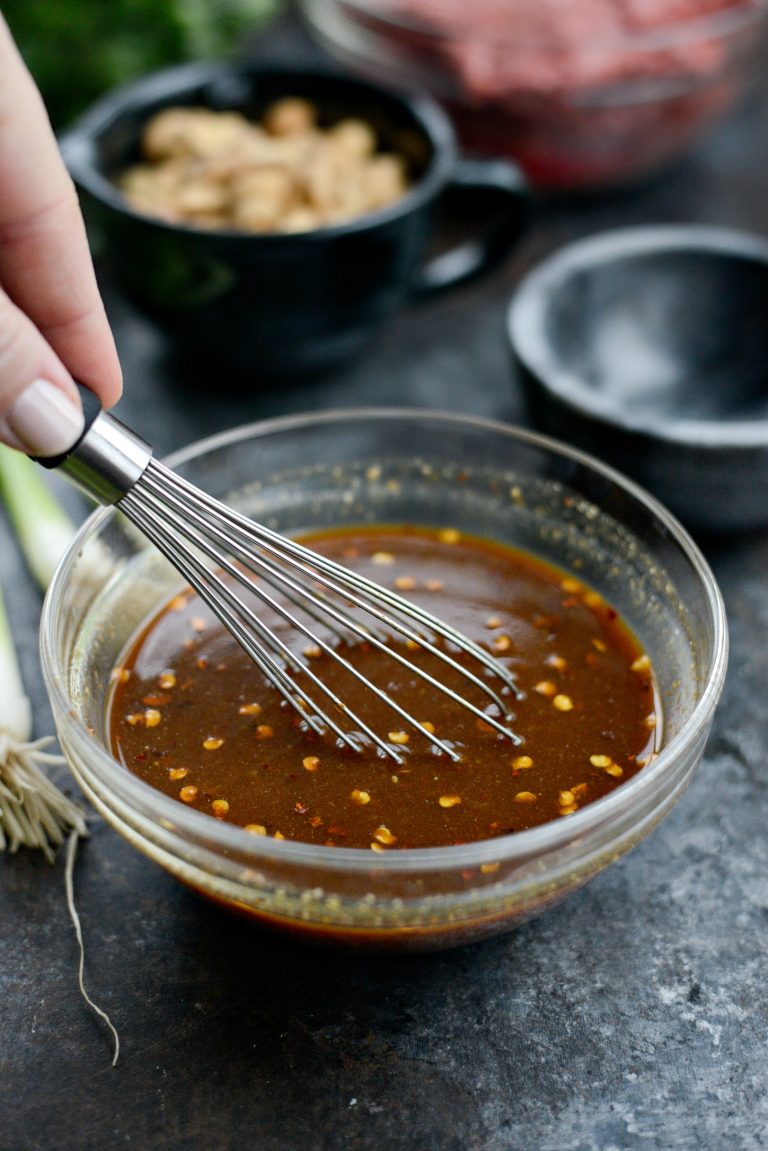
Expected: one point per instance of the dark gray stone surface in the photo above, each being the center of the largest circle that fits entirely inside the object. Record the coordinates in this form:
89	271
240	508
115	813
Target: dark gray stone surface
631	1018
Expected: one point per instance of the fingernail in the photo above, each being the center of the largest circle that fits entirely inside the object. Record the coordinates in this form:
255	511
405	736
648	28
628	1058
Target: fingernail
45	419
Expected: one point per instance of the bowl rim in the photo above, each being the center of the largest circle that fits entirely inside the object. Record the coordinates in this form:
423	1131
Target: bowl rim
556	834
526	328
160	87
730	19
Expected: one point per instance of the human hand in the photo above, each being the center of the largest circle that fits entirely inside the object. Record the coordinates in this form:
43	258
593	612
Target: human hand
52	321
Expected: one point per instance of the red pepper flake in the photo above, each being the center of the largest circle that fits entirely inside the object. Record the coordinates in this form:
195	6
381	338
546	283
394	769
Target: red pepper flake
249	709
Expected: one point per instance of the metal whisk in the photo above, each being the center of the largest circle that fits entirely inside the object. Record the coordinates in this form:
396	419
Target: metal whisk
218	550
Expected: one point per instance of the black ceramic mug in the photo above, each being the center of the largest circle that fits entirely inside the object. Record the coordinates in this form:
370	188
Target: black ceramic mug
283	304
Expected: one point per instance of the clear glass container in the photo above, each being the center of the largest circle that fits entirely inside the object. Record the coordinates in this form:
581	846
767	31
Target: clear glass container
582	93
425	468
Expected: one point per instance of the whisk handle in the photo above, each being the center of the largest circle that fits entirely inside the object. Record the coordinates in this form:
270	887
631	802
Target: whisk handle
108	459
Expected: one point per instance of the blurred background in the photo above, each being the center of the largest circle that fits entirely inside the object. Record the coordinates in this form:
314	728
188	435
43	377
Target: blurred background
582	93
76	50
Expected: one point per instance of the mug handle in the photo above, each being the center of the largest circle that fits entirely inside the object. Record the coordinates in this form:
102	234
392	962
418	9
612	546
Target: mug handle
499	188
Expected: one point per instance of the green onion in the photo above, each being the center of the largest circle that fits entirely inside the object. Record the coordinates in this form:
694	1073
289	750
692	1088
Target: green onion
15	708
33	812
42	527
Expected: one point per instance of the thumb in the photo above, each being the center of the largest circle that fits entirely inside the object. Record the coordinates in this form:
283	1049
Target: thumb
40	410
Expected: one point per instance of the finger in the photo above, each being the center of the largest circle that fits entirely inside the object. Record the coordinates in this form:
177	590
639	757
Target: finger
45	264
40	410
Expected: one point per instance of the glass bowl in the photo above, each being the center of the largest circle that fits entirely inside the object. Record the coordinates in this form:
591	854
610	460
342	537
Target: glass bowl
582	94
396	467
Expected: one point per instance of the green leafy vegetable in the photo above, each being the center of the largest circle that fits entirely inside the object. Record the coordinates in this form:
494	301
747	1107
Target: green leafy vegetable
115	41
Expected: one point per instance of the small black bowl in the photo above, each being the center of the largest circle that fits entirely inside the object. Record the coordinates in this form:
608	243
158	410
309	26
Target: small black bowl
649	348
288	304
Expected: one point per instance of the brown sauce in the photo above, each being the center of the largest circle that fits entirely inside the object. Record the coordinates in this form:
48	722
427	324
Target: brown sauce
191	715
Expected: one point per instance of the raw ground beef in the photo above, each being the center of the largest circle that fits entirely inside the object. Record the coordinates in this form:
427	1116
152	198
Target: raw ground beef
499	48
580	92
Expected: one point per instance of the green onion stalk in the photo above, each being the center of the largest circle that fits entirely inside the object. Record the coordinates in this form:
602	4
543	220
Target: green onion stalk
33	812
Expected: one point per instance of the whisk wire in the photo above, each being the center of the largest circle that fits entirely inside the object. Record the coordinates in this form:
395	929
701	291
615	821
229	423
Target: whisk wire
363	634
163	488
231	611
235	605
376	594
317	567
250	531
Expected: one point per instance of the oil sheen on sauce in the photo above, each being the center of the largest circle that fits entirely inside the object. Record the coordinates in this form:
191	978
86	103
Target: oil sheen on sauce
191	714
